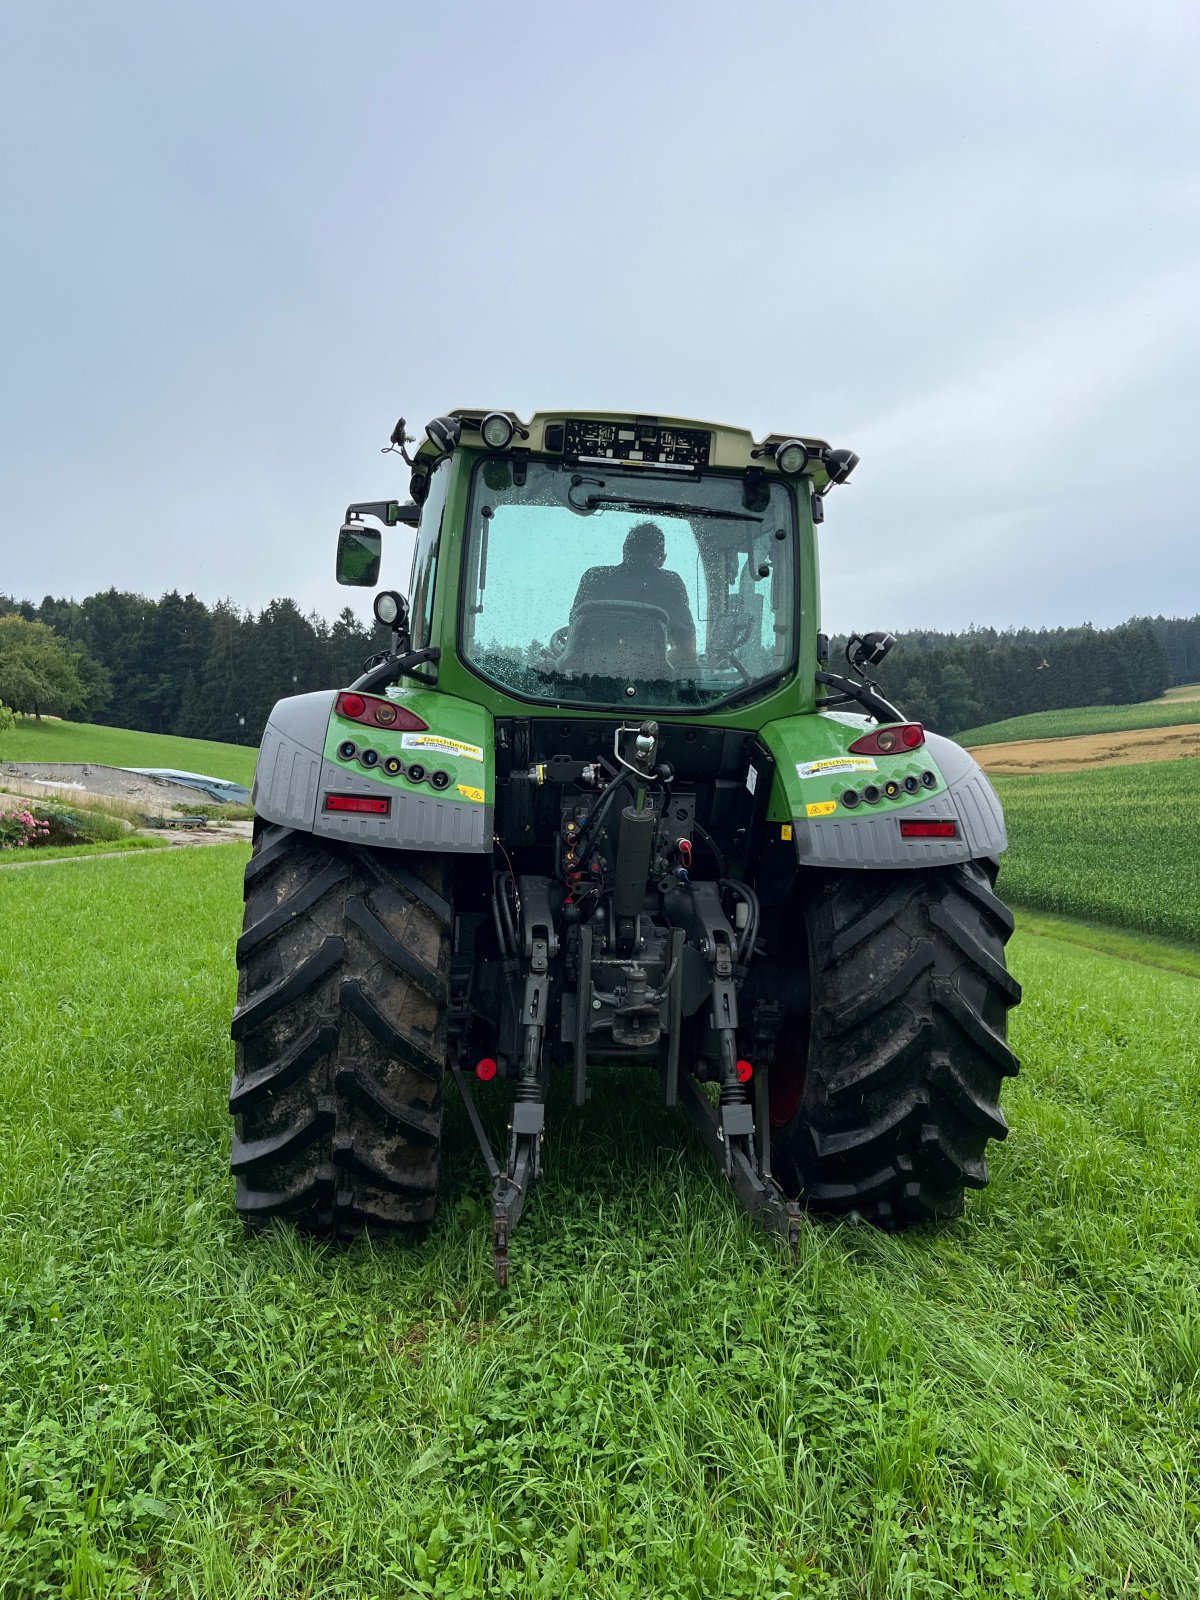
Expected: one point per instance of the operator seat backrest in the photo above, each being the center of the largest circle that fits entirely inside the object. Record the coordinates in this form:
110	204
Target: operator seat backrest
618	638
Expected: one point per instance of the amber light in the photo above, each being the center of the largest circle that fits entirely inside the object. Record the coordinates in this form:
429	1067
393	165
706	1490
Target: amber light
890	741
358	802
377	712
929	830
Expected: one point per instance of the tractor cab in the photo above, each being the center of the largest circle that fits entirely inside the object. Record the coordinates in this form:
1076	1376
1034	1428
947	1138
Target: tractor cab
623	563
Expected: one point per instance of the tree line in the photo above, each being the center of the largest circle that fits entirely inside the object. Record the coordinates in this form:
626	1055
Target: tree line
175	665
955	681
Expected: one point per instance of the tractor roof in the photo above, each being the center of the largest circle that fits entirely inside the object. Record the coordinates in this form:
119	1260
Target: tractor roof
731	448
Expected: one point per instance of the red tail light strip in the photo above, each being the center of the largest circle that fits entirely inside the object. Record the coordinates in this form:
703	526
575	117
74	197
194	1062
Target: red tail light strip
929	830
358	802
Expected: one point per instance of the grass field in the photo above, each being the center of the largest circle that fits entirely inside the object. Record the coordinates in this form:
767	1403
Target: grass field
1118	844
1163	713
1007	1406
49	740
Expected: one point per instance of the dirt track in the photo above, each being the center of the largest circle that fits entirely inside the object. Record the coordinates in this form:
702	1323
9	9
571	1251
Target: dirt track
1091	750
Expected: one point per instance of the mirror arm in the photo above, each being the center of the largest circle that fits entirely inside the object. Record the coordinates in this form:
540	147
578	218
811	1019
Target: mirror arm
866	695
389	512
393	667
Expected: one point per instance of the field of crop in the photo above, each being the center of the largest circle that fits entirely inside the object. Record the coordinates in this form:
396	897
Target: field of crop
1008	1406
1165	713
51	740
1117	844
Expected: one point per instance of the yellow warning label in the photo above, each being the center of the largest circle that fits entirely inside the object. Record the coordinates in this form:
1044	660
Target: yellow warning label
821	808
468	793
786	831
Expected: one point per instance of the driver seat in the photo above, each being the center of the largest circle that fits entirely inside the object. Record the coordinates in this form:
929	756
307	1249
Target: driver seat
618	638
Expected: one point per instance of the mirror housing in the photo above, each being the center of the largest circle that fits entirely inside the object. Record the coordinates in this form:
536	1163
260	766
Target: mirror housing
359	551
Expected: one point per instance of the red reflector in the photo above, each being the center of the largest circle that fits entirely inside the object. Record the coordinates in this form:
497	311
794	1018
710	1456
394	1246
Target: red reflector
744	1072
485	1069
358	802
889	741
929	830
377	712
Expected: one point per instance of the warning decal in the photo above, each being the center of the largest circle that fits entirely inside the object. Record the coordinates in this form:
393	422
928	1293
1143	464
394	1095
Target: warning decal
821	808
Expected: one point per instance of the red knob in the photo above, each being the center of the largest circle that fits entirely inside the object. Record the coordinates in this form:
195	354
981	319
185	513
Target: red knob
485	1069
744	1072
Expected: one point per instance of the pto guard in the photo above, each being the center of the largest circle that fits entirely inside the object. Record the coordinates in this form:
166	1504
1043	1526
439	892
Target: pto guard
814	767
299	768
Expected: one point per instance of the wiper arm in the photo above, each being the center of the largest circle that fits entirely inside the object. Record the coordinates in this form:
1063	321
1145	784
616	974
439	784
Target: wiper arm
632	504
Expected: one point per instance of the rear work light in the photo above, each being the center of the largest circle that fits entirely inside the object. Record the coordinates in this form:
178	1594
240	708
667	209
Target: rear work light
929	830
893	740
376	712
358	802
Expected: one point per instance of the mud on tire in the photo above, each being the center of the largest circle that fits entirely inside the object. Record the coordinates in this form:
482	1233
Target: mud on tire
340	1035
906	1049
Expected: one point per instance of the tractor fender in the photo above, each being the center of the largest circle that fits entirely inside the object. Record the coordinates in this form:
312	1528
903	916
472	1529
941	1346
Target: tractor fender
299	769
827	833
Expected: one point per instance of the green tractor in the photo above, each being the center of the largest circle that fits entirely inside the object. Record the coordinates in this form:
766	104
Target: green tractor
603	802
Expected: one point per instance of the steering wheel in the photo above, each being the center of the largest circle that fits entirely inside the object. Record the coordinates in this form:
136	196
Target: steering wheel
739	631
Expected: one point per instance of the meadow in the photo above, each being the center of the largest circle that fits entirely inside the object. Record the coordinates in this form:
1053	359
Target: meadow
1117	844
1165	713
51	740
1006	1406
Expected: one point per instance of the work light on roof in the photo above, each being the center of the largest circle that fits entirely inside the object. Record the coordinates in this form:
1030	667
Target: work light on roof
497	430
791	457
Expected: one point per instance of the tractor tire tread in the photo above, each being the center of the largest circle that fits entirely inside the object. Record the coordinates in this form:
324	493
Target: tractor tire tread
340	1033
907	1050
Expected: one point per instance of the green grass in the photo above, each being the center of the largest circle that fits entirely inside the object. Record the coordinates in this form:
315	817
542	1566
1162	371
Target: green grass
32	740
72	852
1007	1406
1118	844
1084	719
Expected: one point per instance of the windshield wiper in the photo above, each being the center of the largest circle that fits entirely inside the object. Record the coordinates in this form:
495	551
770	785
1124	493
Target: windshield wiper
631	503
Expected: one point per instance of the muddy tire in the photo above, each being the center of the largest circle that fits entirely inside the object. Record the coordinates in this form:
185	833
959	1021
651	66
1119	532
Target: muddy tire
340	1031
906	1050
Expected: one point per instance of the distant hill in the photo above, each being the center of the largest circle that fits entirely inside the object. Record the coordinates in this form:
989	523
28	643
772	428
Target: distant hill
1173	709
50	740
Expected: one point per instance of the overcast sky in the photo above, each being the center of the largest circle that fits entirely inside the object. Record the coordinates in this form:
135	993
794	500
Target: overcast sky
962	239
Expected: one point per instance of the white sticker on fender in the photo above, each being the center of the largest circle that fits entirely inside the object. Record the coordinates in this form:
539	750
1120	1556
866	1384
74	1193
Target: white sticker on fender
835	765
435	744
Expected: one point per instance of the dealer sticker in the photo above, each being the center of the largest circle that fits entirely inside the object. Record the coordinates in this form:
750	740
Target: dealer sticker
821	808
436	744
835	765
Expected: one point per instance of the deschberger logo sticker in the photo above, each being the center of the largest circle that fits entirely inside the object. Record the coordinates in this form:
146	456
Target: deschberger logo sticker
439	745
831	767
821	808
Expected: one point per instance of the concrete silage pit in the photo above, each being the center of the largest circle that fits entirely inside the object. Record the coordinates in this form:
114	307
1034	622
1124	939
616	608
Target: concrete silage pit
155	797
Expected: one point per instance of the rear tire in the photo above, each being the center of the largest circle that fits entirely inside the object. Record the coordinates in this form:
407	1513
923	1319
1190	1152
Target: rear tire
906	1049
340	1030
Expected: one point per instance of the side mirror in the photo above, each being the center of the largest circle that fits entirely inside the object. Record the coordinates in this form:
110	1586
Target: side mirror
358	555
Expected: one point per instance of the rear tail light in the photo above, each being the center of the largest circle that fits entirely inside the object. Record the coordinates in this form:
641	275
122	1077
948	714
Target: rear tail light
929	830
377	713
358	802
890	741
